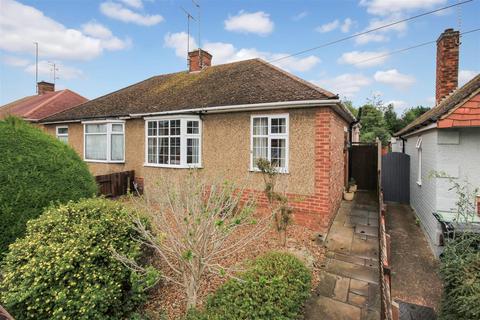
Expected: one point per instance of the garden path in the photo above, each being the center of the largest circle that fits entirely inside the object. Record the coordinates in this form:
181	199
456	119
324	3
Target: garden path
348	288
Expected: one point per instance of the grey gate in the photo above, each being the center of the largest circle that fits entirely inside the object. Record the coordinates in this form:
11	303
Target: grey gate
396	177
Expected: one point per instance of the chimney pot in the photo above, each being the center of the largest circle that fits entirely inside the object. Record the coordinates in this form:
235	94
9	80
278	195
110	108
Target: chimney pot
44	87
447	64
199	59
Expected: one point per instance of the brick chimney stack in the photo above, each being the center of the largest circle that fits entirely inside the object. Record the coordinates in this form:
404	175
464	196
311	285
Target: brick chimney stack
44	87
448	45
199	59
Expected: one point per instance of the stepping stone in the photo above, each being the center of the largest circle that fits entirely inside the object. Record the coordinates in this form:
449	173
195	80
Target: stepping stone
341	289
324	308
357	299
367	249
366	230
351	270
359	287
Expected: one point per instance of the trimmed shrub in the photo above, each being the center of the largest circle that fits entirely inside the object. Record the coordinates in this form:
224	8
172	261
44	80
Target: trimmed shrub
64	268
35	169
275	287
460	271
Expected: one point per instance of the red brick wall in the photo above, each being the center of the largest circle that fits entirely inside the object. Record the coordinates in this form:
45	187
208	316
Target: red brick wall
447	63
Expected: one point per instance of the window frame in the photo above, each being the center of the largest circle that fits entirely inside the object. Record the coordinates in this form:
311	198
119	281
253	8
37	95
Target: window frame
271	136
109	134
418	146
58	135
183	141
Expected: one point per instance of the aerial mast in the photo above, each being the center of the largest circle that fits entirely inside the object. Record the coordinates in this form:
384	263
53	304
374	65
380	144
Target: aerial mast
189	16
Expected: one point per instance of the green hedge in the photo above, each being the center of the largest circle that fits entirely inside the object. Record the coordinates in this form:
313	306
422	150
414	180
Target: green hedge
275	287
460	271
35	169
64	269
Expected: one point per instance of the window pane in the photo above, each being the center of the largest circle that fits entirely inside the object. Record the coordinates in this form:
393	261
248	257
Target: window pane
192	127
152	128
63	138
62	130
193	150
174	150
260	126
96	147
96	128
279	125
116	127
163	128
175	127
117	147
163	150
278	153
260	149
152	150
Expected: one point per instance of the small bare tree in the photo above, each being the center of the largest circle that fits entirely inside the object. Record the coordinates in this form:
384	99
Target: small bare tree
191	228
278	203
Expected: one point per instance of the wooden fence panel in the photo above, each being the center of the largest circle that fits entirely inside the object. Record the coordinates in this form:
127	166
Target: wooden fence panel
115	184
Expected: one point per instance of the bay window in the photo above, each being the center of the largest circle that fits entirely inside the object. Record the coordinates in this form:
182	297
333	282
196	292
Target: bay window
269	140
173	142
104	141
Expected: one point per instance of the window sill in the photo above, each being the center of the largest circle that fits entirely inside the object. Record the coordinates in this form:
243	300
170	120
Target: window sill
258	171
171	166
104	161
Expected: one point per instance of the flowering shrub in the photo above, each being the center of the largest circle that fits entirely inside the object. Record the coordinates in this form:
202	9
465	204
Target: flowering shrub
64	269
35	169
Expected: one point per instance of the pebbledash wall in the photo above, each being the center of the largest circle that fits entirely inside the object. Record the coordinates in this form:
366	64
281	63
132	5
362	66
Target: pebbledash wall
314	183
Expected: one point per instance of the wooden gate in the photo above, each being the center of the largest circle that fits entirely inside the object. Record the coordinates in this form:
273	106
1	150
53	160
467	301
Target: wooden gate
364	165
396	177
115	184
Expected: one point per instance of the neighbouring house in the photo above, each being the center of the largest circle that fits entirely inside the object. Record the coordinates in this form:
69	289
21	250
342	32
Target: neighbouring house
46	103
444	139
221	119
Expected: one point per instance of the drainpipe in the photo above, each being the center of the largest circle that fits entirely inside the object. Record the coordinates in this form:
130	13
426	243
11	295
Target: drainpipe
403	143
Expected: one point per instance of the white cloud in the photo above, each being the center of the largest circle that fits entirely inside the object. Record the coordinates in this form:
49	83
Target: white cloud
45	69
137	4
335	24
382	34
327	27
300	16
15	61
106	37
257	22
387	7
394	78
346	85
178	42
21	25
118	11
398	105
223	52
465	75
347	24
356	58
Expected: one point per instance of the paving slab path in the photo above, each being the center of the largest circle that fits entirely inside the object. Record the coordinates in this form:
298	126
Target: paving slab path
348	287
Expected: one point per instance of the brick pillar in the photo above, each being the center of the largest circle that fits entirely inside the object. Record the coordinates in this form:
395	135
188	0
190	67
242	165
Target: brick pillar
323	163
447	64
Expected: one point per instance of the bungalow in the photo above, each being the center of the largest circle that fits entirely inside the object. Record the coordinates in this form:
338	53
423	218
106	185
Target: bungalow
444	139
46	103
221	119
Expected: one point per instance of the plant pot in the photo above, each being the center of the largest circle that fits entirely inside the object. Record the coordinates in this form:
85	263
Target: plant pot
352	188
348	195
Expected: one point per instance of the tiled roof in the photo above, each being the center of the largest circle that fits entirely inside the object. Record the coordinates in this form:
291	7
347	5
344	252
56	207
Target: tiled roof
245	82
35	108
454	100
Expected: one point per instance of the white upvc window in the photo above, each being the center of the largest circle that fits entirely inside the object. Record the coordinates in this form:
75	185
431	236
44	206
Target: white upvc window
269	140
62	133
173	142
104	141
419	158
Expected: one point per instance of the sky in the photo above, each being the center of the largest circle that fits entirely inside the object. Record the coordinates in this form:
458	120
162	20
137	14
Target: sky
102	46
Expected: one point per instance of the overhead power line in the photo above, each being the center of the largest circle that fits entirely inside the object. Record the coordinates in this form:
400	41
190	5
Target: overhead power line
408	48
369	31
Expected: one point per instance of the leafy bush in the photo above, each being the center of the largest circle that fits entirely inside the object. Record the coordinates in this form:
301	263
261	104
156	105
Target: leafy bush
275	287
64	269
35	169
460	271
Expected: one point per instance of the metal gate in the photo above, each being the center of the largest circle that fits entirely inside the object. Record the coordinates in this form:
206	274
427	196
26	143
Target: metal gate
363	165
396	177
